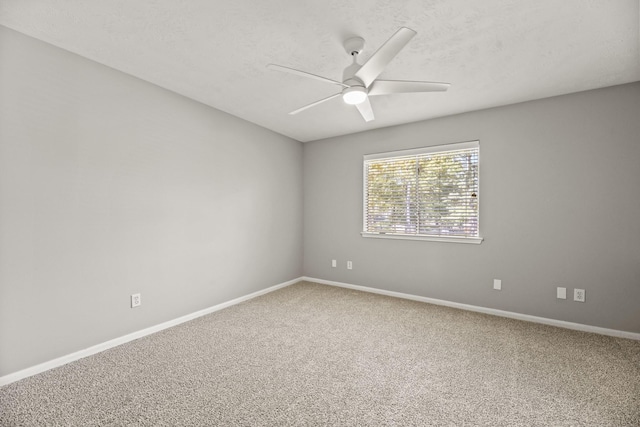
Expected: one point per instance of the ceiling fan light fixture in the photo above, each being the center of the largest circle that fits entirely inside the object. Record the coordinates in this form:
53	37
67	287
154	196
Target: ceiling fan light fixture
360	81
354	95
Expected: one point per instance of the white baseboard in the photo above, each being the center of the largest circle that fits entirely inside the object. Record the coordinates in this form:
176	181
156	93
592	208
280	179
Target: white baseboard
493	311
42	367
16	376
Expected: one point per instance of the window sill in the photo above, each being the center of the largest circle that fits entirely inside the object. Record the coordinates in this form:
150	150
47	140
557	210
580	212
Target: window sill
467	240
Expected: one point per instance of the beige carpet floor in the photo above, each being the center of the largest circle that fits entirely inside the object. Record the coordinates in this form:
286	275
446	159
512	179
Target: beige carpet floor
312	354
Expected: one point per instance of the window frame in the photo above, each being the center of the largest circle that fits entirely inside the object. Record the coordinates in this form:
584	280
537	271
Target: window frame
409	153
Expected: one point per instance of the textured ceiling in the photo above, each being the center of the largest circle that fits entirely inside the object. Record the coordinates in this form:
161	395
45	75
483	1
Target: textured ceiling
493	52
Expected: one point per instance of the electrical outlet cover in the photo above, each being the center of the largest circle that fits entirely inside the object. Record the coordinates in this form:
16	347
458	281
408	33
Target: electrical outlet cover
136	300
579	295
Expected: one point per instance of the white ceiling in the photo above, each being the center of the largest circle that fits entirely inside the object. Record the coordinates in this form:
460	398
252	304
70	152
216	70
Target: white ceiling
493	52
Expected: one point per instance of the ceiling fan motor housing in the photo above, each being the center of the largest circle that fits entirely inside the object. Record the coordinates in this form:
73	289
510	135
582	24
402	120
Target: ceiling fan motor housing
348	75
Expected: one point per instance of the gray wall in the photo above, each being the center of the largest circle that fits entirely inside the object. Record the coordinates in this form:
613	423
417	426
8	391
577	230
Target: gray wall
110	186
559	206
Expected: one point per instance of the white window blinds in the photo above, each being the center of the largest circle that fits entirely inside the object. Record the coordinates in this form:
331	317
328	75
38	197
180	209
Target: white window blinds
431	191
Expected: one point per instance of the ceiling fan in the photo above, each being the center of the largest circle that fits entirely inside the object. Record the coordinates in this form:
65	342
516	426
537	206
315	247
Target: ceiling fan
359	81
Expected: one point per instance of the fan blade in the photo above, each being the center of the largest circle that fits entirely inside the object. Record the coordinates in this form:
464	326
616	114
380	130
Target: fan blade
313	104
304	74
365	109
374	65
386	87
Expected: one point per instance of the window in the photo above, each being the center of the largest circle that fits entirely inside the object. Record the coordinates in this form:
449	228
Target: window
427	193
